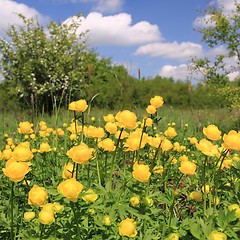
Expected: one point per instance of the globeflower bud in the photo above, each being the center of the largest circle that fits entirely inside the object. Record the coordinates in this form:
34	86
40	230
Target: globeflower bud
107	220
206	188
197	196
215	235
135	201
28	216
148	202
173	236
127	228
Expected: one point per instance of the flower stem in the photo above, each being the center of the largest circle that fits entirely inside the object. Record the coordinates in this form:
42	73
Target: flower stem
173	202
11	201
113	159
204	186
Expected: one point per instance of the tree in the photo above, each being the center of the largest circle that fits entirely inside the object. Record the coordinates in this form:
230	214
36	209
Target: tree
42	67
221	29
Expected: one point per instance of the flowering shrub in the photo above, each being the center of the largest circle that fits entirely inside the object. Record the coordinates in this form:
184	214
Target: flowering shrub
127	178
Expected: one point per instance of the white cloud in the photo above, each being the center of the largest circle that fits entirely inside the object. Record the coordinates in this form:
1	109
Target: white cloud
9	10
109	6
117	30
180	72
233	75
103	6
228	8
174	50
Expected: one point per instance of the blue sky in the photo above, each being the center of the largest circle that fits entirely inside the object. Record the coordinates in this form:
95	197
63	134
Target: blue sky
156	36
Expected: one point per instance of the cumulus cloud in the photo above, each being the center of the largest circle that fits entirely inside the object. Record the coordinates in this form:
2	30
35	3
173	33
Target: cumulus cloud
228	6
109	6
103	6
180	72
117	30
174	50
9	10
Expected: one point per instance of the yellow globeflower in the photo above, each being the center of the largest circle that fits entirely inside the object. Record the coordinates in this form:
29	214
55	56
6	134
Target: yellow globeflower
215	235
70	188
212	132
156	101
183	158
80	154
193	140
166	145
7	153
111	127
133	141
170	132
232	140
25	127
94	132
90	196
188	168
16	171
207	148
141	172
155	141
57	207
78	106
28	216
127	228
44	147
22	153
46	217
124	134
68	170
37	196
126	119
107	144
197	196
109	118
151	109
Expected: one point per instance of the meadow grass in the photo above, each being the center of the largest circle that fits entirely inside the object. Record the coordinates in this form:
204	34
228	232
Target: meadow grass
226	119
146	180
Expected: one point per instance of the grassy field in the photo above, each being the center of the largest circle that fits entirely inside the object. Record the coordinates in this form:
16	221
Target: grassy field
225	119
154	177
